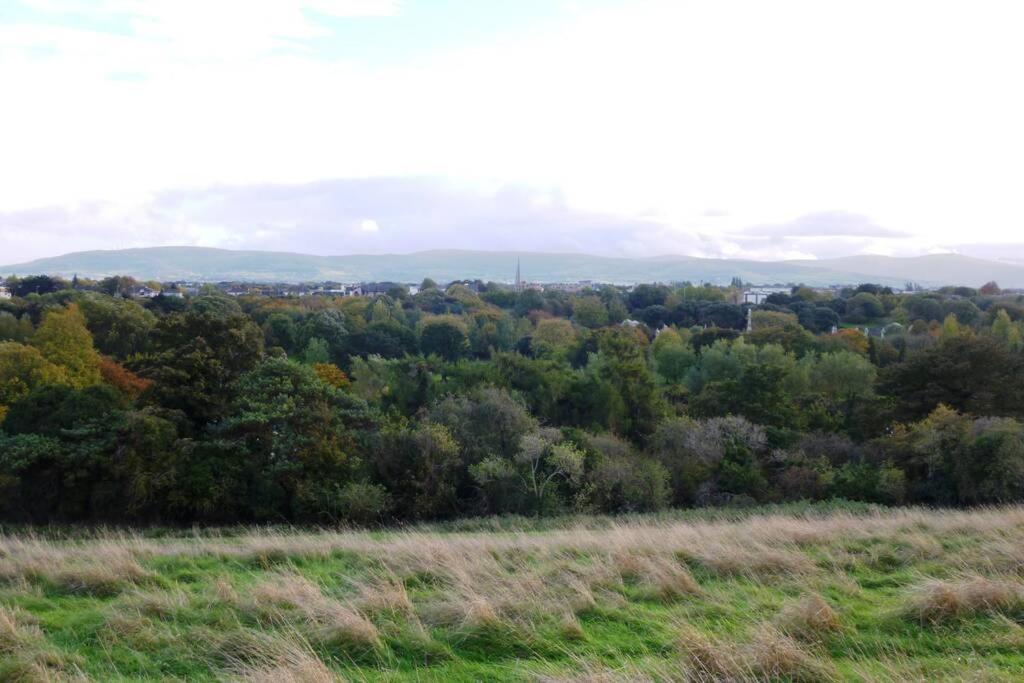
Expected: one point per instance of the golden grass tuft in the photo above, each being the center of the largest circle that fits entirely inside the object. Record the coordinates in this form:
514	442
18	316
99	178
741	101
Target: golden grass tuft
278	660
773	655
25	654
708	659
386	594
224	592
130	626
809	618
570	627
162	604
327	619
939	601
18	630
770	655
100	577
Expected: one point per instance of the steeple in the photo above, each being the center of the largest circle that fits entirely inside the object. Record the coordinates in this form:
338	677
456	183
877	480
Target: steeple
519	278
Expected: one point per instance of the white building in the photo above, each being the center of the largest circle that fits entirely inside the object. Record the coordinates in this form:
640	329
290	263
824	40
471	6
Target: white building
4	292
758	295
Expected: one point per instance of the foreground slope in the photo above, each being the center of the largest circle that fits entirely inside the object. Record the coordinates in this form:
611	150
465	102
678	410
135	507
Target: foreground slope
205	264
820	595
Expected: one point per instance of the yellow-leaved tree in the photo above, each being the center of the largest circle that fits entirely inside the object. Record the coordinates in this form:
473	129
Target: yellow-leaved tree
65	341
22	369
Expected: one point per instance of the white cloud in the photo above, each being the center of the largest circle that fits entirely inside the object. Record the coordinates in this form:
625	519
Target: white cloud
368	225
662	110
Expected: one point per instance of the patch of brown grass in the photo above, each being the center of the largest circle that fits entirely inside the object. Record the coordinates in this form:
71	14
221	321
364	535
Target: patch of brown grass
774	655
770	655
263	659
99	577
809	618
131	627
25	654
327	619
385	594
18	630
938	601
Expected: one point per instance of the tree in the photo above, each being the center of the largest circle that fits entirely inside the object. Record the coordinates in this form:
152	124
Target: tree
15	329
864	307
552	337
65	341
298	434
122	379
818	319
643	296
194	360
1006	331
118	285
119	327
843	376
330	327
990	289
37	284
590	311
279	329
445	336
541	462
969	373
950	327
922	307
421	469
618	479
22	369
385	338
672	356
764	319
635	406
711	460
485	422
317	352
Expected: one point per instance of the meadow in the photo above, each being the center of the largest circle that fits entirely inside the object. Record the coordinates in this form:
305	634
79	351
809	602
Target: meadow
803	593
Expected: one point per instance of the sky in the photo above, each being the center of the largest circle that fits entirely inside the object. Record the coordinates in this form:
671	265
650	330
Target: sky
725	128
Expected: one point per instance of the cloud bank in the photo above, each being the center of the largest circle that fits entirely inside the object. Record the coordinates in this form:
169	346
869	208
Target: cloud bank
401	215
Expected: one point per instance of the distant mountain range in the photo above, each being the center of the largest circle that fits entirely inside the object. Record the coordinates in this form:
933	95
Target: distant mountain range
212	265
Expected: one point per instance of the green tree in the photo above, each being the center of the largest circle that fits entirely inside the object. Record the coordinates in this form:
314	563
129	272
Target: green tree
1006	331
15	329
194	360
445	336
552	338
541	462
590	311
298	434
316	351
119	327
635	406
673	357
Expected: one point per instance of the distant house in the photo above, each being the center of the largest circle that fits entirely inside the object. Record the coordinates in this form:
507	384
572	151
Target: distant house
146	292
4	292
759	295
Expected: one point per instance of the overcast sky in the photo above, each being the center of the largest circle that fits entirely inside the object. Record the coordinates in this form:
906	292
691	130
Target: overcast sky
757	129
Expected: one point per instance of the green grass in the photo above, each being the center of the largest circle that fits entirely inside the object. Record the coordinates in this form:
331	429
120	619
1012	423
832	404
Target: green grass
796	593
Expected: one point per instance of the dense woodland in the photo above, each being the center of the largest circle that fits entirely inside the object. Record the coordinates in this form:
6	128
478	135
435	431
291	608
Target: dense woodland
477	399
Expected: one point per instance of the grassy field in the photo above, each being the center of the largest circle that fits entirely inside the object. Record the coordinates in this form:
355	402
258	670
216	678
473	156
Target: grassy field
805	594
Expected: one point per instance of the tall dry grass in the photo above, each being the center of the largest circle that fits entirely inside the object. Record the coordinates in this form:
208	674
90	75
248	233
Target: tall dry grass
509	581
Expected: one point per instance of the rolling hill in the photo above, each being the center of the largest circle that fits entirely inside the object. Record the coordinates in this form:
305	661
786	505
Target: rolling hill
206	264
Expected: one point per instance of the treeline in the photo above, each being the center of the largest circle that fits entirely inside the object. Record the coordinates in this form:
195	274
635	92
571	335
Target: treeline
476	399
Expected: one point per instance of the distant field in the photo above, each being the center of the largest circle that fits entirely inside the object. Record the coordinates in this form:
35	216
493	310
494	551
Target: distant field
806	594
